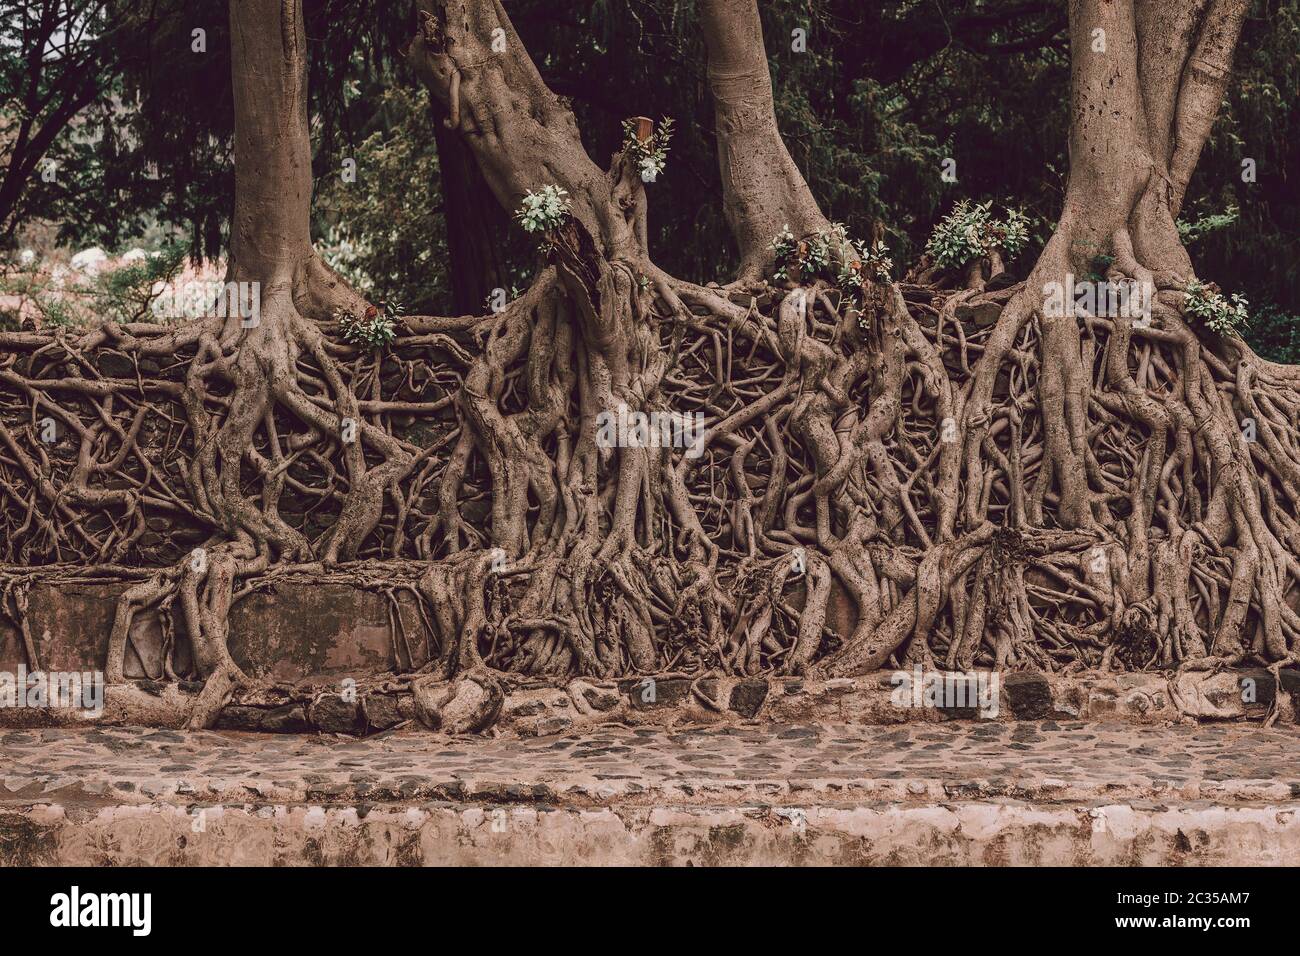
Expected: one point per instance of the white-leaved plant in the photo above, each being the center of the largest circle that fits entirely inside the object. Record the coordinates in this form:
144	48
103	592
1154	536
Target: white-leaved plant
650	156
970	232
543	210
1222	315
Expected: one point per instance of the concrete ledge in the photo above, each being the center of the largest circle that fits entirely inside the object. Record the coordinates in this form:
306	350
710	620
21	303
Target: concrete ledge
950	794
951	834
372	704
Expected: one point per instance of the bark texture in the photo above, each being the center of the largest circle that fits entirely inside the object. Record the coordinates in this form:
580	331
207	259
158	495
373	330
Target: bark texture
762	188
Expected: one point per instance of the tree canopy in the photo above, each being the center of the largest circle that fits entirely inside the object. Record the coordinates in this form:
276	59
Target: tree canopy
872	99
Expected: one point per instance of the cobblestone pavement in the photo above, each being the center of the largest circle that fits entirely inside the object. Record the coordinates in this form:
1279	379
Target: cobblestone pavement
1041	761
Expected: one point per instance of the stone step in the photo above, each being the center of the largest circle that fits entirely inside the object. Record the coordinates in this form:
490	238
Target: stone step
962	833
1018	793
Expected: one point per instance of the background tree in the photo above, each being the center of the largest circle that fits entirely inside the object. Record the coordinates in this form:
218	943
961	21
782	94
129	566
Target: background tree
879	97
57	60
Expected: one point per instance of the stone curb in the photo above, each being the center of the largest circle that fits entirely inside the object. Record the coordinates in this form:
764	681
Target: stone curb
365	706
956	833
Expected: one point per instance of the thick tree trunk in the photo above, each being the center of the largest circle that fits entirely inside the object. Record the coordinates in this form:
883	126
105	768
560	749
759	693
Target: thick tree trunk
270	234
1146	77
474	220
762	188
270	230
521	134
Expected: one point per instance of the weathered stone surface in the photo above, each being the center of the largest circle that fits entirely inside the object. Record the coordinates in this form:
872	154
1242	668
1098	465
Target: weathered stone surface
1290	682
331	714
598	698
526	708
1226	762
987	793
748	696
1257	687
961	694
646	693
555	724
289	719
381	711
947	833
292	631
1029	695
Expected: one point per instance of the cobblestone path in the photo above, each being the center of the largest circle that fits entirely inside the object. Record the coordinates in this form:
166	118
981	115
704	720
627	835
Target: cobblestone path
1040	761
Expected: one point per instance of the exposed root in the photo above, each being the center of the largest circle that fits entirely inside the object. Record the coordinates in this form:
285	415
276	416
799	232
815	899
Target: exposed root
825	469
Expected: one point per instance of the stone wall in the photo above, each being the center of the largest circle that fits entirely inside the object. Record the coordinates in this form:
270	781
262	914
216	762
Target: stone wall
332	657
282	632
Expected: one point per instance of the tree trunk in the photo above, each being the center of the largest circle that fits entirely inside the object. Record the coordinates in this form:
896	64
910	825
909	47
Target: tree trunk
255	348
475	223
270	230
762	188
1146	80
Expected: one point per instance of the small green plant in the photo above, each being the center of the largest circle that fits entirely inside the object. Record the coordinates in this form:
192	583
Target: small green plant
1220	314
786	248
651	156
970	232
873	263
1099	266
1012	233
375	329
58	313
121	290
1189	232
831	255
543	210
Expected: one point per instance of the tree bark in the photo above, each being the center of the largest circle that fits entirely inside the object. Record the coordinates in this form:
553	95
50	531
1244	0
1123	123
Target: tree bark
475	222
762	188
522	135
270	229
